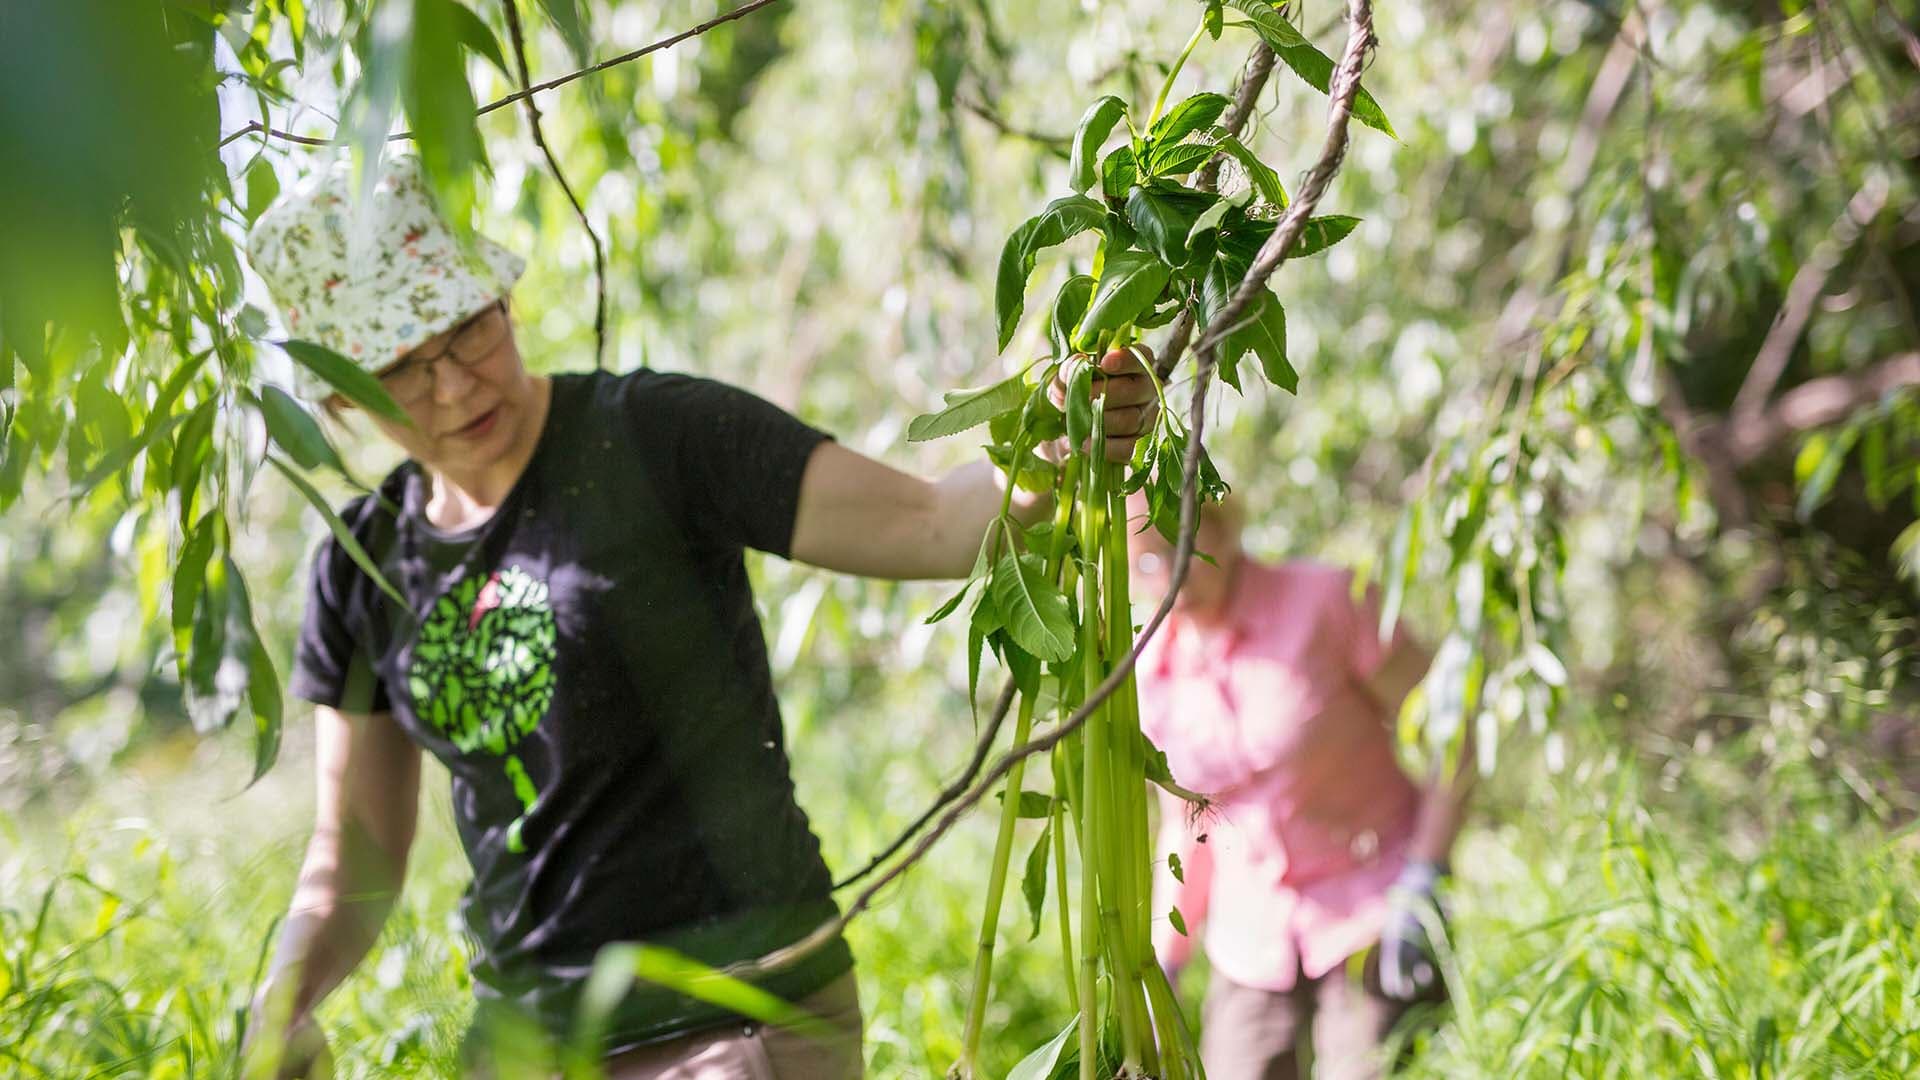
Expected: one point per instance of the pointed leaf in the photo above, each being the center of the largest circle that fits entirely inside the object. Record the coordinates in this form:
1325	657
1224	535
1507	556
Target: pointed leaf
1322	233
1191	115
189	577
1270	24
970	408
567	18
476	35
1118	172
348	542
1129	284
1033	606
349	378
1069	304
295	430
1264	179
1180	160
1041	1064
263	697
1060	221
1163	222
1095	125
1033	883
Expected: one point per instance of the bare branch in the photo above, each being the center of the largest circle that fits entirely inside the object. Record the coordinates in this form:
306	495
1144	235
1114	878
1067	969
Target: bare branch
981	748
1345	84
1055	143
1817	403
512	10
529	91
1803	294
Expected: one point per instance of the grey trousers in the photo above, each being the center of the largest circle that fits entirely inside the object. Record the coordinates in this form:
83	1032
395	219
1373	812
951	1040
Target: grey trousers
1250	1034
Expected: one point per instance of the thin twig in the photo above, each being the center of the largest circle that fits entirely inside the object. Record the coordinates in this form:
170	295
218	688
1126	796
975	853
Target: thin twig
1345	84
981	749
663	43
1056	143
512	10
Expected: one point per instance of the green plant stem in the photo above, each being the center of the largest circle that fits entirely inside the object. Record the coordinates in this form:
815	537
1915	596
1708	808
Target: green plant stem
1091	777
1166	87
996	891
1010	809
1060	887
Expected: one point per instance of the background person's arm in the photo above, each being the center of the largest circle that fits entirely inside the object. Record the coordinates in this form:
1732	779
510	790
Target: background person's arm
366	807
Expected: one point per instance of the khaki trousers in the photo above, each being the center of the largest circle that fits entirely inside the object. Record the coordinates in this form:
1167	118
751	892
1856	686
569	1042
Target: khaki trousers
753	1051
1249	1034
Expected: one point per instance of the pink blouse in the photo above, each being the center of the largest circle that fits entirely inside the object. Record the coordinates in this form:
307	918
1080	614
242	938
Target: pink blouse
1266	713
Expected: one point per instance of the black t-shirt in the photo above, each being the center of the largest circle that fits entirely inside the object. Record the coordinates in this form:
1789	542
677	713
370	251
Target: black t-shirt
589	665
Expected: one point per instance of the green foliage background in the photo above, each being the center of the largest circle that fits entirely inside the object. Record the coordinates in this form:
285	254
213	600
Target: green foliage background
1694	857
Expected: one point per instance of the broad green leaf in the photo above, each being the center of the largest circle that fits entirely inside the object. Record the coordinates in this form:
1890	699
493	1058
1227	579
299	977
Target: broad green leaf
1264	331
263	696
1061	220
1213	19
1174	868
1264	179
294	429
348	542
1118	172
1033	883
1316	68
1069	304
1191	115
1162	221
189	577
1178	920
970	408
192	448
439	101
1270	24
1322	233
1040	1064
263	186
1180	160
617	966
1129	284
1035	610
567	18
1209	220
1079	407
1095	125
224	643
1216	289
476	35
347	377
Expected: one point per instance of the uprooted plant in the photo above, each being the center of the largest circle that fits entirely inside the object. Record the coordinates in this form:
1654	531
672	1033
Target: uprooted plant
1051	600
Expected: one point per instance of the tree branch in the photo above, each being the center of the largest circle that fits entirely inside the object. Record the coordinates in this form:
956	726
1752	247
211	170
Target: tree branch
1058	144
1803	294
1816	403
528	91
1345	84
981	748
512	10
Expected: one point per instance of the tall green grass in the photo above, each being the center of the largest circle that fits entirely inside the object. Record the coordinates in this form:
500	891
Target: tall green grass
1601	928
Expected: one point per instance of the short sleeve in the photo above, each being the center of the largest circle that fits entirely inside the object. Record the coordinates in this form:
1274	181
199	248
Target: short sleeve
330	664
737	459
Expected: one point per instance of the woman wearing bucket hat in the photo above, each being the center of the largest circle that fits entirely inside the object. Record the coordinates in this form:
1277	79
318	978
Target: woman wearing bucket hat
578	644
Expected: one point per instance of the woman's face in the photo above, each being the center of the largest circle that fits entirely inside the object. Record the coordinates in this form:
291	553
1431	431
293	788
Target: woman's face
468	394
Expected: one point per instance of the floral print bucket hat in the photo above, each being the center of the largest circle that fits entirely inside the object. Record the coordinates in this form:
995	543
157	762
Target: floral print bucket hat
371	281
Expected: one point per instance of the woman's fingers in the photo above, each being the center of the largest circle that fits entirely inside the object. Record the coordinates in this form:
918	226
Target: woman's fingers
1131	400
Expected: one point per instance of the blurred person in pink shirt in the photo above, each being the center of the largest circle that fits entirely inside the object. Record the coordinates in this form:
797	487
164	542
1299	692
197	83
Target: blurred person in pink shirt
1270	690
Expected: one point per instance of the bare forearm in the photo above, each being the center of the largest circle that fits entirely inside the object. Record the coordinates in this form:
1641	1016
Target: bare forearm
1443	807
334	919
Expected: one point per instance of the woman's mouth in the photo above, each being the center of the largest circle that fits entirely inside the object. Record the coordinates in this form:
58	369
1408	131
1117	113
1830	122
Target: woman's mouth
481	426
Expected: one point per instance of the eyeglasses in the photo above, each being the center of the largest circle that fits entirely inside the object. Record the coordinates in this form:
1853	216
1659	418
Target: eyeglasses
473	341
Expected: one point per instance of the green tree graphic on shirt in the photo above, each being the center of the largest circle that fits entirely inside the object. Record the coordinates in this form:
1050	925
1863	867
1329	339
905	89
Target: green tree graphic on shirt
482	670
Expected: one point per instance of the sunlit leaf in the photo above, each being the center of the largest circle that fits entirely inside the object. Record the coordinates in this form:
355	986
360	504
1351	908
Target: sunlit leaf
1095	125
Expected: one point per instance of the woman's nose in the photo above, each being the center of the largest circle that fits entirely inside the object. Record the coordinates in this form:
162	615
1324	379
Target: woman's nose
451	381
